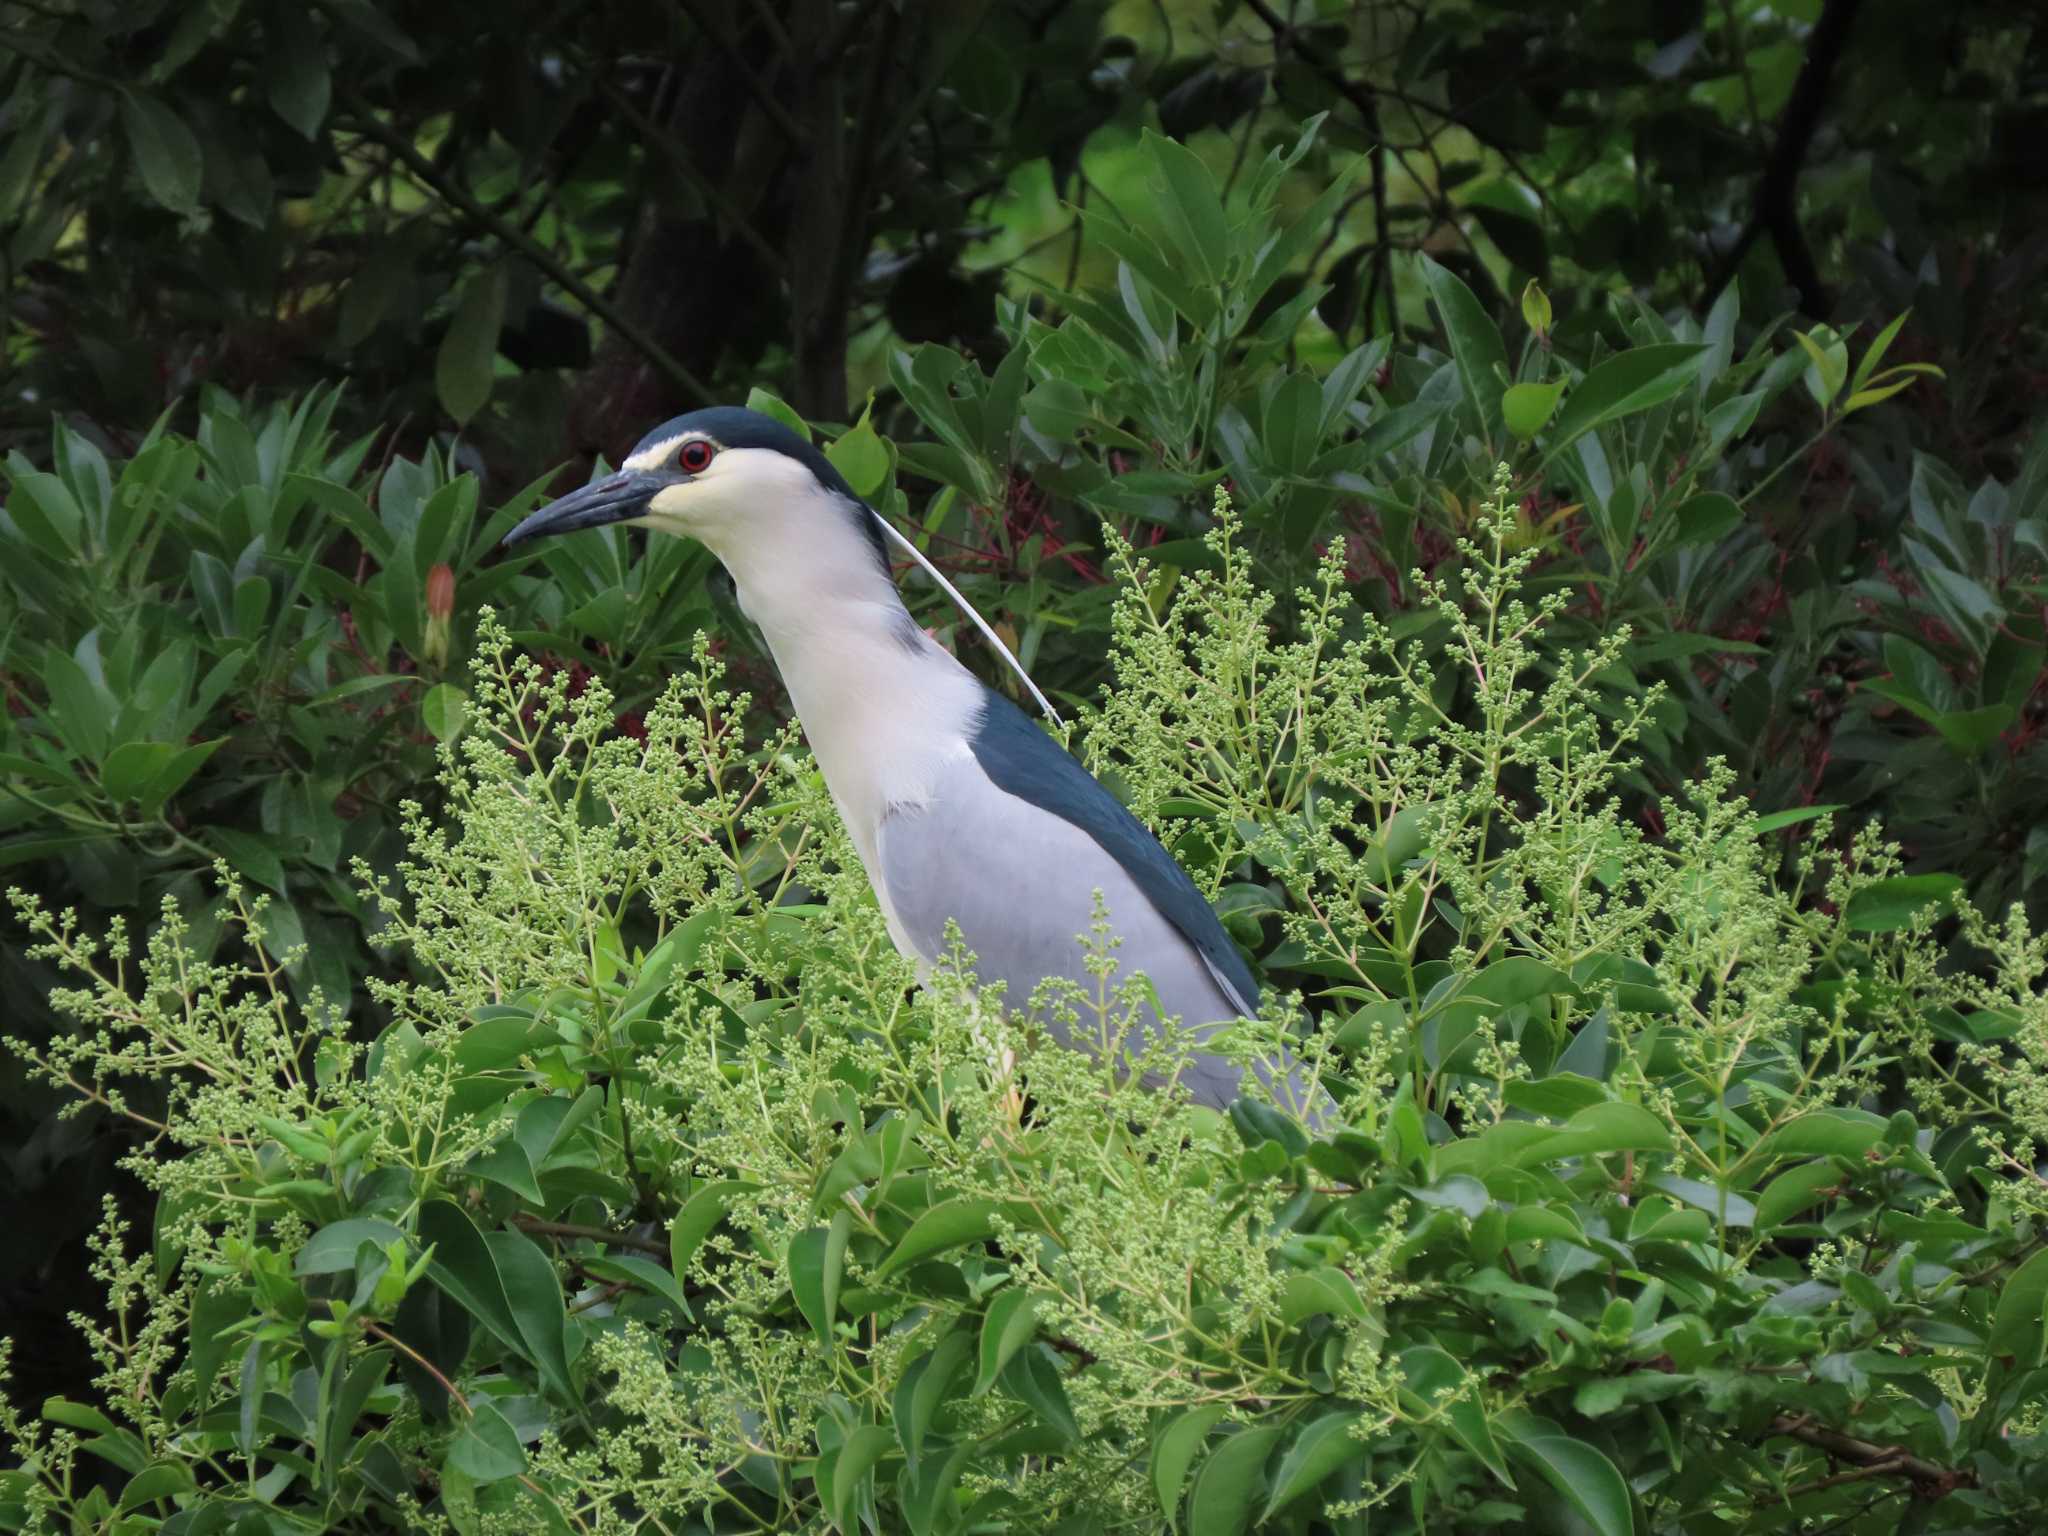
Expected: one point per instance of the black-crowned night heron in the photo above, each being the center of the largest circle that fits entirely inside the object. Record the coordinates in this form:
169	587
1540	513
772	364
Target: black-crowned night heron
960	807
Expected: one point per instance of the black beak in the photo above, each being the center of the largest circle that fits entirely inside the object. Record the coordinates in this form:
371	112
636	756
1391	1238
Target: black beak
614	499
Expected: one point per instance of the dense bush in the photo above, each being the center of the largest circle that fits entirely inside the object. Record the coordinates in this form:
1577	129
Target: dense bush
1607	1240
562	1148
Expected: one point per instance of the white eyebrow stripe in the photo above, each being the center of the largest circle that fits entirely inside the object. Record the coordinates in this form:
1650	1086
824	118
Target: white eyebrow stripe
656	455
650	456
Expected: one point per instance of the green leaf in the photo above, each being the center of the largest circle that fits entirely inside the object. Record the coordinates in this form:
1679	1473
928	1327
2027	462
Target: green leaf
2016	1323
1889	905
948	1225
1188	201
1706	518
700	1213
1830	357
1868	363
644	1273
817	1259
1007	1328
1175	1448
1622	385
1526	408
1777	821
1822	1133
1033	1378
507	1164
488	1447
1968	732
166	153
1228	1486
769	404
1723	1205
1792	1192
924	1386
1323	1446
1476	347
157	1481
863	458
1584	1477
1517	979
133	766
83	711
926	1491
333	1248
445	710
250	856
1609	1127
463	1267
298	82
849	1466
463	366
534	1295
176	772
1536	312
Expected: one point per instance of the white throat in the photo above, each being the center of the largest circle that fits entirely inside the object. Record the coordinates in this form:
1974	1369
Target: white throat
883	706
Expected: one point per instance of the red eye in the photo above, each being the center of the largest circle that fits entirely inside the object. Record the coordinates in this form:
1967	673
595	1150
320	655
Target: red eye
695	456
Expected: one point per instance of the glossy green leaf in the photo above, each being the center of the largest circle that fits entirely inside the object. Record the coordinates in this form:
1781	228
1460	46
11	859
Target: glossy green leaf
1189	204
166	153
1007	1328
700	1213
1323	1445
1607	1127
849	1467
1624	384
468	353
2016	1321
1706	518
534	1297
948	1225
925	1384
863	458
445	710
333	1247
1475	342
297	80
1792	1192
1033	1378
1584	1477
1230	1481
155	1483
1175	1448
817	1260
1888	905
1527	408
487	1448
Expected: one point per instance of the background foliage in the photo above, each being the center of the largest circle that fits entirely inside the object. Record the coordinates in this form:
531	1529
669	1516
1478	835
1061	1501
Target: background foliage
319	297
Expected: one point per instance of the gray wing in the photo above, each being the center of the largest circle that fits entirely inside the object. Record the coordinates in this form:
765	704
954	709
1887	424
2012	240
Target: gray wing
1020	881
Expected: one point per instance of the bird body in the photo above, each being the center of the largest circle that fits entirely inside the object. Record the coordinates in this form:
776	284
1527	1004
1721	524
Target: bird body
960	808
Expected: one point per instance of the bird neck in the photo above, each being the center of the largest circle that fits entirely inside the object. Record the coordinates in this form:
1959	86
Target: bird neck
882	705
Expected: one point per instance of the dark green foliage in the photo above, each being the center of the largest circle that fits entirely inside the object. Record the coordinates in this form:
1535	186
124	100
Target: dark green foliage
1576	1265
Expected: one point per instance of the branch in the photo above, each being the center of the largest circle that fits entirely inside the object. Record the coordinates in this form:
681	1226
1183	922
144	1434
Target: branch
645	1245
364	118
1932	1478
685	167
1776	209
773	109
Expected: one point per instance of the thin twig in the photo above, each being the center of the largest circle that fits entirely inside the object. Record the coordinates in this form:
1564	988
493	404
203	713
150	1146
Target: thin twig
364	118
1886	1460
772	109
547	1228
679	157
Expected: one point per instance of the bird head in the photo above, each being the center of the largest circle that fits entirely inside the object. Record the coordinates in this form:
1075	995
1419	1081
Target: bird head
733	479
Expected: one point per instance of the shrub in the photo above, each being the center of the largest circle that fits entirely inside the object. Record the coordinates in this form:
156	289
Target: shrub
657	1201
